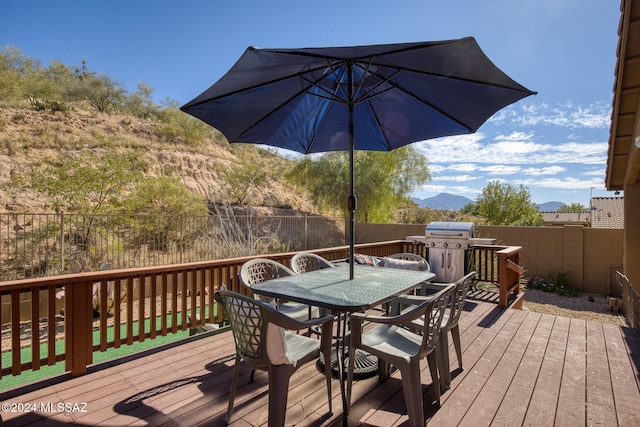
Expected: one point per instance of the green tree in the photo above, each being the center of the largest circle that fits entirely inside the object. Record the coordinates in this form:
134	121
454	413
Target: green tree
163	196
503	204
179	126
159	202
383	181
21	77
471	209
241	180
140	103
103	92
91	184
573	207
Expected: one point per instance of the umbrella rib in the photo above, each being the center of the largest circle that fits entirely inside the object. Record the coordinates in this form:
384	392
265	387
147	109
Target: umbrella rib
400	48
285	102
255	86
271	113
330	96
461	79
394	85
370	62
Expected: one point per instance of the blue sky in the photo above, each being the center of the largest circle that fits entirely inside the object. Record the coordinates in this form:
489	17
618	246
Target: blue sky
555	143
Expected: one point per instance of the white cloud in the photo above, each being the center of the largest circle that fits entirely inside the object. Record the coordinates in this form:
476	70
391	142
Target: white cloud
456	178
515	148
567	183
549	170
463	167
595	172
596	115
501	169
516	136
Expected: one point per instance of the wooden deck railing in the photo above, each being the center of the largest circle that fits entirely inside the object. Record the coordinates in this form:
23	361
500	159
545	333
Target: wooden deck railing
133	305
499	265
630	301
114	308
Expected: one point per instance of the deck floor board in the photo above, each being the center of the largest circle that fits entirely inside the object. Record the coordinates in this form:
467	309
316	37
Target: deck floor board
520	368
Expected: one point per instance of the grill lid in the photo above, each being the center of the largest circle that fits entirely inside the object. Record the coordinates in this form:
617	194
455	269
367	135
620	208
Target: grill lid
450	229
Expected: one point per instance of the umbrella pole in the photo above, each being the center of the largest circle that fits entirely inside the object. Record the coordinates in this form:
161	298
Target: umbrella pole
352	214
351	203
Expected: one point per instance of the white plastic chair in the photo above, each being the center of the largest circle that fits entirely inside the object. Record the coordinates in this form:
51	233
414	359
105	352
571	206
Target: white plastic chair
409	261
306	261
259	270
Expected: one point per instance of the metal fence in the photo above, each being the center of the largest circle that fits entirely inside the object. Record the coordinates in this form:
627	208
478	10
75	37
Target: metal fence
630	301
39	245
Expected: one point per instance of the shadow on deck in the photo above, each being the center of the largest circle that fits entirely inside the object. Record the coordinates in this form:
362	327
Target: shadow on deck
520	368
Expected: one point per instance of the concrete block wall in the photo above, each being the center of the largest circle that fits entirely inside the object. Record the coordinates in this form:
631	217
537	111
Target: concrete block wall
589	255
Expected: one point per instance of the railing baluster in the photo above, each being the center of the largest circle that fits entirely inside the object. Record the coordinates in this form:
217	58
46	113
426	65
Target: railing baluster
163	303
183	299
193	283
210	290
215	285
51	325
104	313
35	328
141	306
130	297
117	312
174	301
15	332
153	299
202	273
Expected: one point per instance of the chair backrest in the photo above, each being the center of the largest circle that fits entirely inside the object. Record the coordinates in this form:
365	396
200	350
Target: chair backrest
248	323
459	296
433	318
306	261
259	270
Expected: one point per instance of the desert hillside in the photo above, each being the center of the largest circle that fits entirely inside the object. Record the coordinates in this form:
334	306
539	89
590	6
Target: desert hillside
30	138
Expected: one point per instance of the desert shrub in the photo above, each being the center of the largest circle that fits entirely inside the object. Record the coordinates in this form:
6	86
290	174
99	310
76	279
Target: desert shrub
47	105
558	283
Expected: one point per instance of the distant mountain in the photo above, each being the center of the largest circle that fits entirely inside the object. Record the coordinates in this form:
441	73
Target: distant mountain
443	201
550	206
451	202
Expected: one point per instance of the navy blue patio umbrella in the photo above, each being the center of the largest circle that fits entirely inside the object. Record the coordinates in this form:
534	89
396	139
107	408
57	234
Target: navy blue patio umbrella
377	97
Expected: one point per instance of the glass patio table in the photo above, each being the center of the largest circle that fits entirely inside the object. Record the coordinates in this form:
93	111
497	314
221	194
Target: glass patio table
331	288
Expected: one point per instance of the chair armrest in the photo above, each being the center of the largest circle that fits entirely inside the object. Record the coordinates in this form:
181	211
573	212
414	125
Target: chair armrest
287	322
403	301
405	318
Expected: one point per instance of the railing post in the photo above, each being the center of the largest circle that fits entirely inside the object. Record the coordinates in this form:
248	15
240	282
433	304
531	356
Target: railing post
78	327
509	272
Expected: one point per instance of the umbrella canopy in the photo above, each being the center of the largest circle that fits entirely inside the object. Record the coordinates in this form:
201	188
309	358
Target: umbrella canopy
376	97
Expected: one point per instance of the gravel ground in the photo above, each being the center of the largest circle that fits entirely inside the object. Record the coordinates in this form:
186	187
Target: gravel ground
579	307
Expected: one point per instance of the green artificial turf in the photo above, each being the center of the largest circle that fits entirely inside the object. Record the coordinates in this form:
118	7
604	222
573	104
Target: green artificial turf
29	376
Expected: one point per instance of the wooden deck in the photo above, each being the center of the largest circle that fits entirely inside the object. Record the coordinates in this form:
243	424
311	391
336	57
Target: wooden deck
520	368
